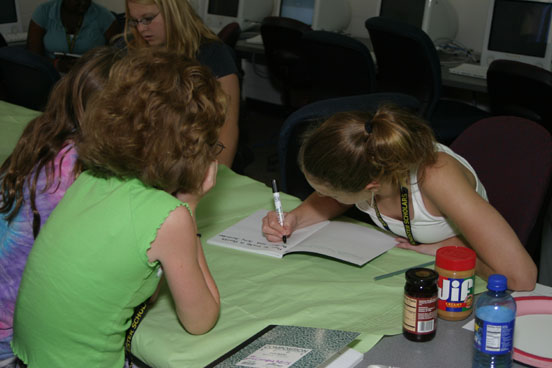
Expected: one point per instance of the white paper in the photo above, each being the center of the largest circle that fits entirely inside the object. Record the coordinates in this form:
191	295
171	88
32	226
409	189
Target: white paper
342	240
274	356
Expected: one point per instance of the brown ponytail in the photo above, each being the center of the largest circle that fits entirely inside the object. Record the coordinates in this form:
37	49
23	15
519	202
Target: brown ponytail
352	149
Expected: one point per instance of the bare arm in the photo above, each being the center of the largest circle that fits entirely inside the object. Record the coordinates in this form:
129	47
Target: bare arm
230	130
193	288
497	246
35	38
314	209
180	252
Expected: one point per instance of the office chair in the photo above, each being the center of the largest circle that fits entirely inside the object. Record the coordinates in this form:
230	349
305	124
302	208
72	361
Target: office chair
340	65
230	34
3	42
520	89
287	69
292	180
407	62
26	78
513	158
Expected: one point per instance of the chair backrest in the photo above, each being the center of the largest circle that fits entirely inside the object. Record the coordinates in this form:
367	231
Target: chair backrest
513	158
340	65
407	61
26	78
230	34
282	45
520	89
292	180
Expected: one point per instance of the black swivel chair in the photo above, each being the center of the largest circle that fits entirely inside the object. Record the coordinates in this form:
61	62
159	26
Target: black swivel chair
230	34
339	65
520	89
26	77
292	180
287	69
407	62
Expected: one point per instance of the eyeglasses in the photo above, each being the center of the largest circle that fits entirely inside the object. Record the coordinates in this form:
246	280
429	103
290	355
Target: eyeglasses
218	148
146	21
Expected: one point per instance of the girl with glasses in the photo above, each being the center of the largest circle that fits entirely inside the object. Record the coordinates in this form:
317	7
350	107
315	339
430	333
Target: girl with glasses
175	26
148	146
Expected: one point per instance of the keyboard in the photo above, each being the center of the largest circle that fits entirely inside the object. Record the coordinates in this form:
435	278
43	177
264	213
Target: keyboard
470	70
15	37
257	40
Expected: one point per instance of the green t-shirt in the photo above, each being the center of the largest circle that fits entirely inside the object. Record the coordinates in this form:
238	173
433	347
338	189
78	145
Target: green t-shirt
87	272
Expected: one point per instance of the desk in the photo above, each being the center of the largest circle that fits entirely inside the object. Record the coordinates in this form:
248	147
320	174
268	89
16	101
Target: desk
13	119
471	84
256	290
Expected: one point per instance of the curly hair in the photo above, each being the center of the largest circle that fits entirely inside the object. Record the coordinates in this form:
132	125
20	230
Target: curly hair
347	157
157	120
184	29
45	136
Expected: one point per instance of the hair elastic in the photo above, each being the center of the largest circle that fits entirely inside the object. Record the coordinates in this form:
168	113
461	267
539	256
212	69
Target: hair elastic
368	126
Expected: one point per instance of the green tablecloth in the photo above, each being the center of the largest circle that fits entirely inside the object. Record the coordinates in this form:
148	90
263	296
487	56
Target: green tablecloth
256	290
13	119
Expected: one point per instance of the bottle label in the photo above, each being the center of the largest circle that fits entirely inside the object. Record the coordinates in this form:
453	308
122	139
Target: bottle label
494	337
419	315
455	295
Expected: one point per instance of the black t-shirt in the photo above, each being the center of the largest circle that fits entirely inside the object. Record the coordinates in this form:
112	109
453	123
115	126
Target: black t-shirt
219	57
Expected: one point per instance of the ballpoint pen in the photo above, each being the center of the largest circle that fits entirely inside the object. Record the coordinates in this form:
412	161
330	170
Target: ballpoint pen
278	205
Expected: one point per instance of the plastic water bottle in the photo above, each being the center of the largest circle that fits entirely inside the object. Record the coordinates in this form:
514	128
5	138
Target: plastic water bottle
495	315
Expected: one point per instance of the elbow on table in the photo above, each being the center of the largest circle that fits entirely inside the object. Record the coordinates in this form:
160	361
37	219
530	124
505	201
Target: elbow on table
201	325
523	279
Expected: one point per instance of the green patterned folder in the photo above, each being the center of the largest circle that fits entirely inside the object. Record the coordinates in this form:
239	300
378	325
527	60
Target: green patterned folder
281	346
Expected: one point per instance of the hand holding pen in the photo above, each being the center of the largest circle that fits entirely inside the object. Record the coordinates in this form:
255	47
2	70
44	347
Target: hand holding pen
278	206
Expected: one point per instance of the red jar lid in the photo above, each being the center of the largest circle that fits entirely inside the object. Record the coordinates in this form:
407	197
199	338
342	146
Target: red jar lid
455	258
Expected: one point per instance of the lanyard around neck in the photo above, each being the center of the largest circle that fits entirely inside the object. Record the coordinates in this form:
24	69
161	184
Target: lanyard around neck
405	209
71	41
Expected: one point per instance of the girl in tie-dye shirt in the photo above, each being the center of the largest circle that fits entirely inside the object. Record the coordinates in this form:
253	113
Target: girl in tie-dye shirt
36	175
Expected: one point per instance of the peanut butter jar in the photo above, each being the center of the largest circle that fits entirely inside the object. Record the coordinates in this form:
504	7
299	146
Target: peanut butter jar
456	269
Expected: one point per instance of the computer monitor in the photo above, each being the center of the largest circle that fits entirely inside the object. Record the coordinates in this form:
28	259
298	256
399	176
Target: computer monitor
328	15
519	30
436	17
247	13
10	18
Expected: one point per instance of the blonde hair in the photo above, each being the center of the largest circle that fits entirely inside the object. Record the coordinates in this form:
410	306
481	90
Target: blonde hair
184	29
346	156
157	120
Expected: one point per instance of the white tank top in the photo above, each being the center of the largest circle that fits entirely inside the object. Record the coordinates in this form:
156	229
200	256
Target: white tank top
426	228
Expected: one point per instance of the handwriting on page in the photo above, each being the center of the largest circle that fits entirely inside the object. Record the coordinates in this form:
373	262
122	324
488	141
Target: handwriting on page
239	241
274	356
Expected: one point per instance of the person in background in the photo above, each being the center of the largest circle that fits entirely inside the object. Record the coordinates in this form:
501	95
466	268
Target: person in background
149	144
61	27
391	167
36	175
174	24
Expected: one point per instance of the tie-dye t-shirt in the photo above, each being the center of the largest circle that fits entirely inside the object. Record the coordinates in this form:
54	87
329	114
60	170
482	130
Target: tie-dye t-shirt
16	238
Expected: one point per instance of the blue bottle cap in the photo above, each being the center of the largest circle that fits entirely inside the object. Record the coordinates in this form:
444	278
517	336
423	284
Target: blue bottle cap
497	282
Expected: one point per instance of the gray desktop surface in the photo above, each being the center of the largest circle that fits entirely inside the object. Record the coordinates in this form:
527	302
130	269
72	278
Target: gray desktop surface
451	347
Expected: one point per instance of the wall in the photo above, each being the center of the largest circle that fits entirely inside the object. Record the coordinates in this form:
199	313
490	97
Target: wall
472	16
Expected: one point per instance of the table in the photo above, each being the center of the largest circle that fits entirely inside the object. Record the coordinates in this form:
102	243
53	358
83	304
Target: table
256	290
13	119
